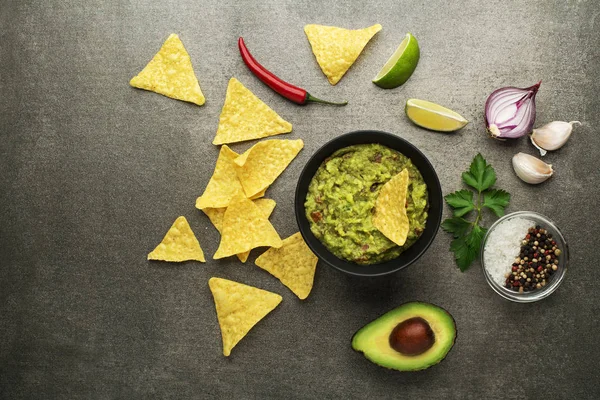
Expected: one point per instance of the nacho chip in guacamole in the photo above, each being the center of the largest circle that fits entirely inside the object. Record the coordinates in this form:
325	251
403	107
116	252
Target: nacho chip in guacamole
390	216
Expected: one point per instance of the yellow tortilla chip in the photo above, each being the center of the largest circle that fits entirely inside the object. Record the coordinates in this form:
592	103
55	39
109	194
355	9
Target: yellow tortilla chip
260	165
258	195
170	73
390	216
336	49
266	207
245	227
245	117
293	264
239	308
224	183
179	244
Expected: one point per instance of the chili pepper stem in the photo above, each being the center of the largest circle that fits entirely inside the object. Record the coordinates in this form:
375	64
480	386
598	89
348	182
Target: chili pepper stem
313	99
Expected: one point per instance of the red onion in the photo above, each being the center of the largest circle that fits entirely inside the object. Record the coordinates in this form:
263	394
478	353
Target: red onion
510	112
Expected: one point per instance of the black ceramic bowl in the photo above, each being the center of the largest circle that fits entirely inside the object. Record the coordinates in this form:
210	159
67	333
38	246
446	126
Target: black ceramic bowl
433	187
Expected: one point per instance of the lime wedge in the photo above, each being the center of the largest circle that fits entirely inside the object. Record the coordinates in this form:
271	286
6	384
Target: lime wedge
401	64
433	116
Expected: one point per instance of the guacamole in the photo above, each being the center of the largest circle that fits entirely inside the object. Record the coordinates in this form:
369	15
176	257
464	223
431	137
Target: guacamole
341	199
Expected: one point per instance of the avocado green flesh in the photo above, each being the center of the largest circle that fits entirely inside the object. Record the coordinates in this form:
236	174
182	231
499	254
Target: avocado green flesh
373	340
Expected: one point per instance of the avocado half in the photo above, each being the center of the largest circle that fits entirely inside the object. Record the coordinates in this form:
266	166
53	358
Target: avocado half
411	337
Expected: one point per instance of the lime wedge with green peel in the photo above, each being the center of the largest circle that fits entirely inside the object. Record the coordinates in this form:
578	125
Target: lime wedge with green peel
432	116
401	64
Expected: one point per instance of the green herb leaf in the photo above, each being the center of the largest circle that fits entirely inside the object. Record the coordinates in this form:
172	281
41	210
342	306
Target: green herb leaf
496	200
457	226
463	253
480	175
466	248
461	201
469	235
475	237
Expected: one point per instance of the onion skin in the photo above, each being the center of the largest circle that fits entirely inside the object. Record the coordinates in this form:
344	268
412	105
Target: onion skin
518	128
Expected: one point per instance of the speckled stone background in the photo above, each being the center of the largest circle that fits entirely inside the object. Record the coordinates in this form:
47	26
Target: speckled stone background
93	172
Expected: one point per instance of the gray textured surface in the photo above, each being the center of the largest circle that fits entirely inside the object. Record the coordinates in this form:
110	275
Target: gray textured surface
93	172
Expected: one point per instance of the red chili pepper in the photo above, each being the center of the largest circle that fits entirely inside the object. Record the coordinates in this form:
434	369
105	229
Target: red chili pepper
287	90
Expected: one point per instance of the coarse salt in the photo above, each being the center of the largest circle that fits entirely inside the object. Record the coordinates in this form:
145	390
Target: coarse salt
503	245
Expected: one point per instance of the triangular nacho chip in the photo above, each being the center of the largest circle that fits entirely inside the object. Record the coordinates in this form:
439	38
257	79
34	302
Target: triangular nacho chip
266	207
244	228
239	308
336	49
170	73
260	165
293	264
246	117
258	195
390	216
224	183
179	244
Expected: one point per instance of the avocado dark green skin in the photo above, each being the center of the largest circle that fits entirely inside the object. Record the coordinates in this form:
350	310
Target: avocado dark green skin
426	365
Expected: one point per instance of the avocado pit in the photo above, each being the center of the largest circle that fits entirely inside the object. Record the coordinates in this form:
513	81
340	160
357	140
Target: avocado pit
412	337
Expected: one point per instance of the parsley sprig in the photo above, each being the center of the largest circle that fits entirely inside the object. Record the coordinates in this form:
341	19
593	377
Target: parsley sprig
469	234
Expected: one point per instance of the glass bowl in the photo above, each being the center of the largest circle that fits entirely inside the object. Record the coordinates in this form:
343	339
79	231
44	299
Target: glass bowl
557	277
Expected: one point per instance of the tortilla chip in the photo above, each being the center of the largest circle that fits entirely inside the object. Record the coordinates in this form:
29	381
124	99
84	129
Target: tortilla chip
179	244
390	209
336	49
245	227
266	207
170	73
224	183
258	195
245	117
239	308
293	264
260	165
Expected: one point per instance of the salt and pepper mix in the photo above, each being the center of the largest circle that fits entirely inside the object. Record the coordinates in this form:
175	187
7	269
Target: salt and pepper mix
521	256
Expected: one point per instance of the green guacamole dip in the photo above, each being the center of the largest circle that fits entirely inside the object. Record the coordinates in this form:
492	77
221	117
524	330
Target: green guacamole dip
341	199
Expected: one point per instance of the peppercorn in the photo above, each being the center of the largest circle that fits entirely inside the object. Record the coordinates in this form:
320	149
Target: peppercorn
536	262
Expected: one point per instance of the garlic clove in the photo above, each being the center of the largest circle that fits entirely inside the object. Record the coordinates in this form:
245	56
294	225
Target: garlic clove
552	136
542	151
531	169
